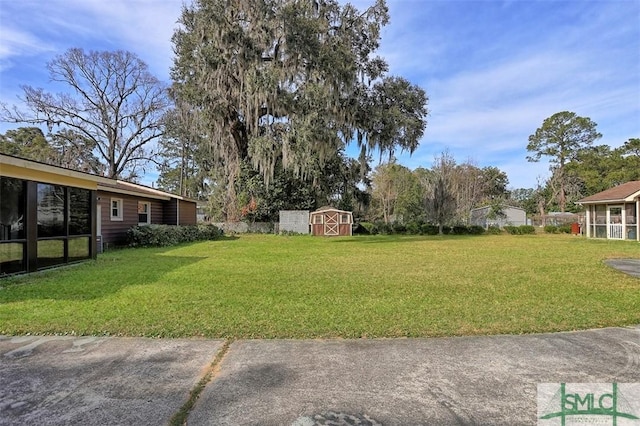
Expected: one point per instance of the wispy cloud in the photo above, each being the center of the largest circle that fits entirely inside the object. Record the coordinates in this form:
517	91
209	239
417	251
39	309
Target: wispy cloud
495	70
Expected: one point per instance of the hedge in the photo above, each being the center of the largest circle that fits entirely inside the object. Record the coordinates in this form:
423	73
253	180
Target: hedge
168	235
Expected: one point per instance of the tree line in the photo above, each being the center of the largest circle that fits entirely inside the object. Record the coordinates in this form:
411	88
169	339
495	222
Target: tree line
265	97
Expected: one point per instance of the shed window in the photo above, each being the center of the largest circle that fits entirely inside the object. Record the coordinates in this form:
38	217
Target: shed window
144	213
318	219
344	218
116	209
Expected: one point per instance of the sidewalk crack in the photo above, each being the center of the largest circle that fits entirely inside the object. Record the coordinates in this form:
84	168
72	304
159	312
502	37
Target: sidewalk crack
180	418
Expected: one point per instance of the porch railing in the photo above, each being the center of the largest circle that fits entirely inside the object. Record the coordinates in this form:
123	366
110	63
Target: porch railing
616	232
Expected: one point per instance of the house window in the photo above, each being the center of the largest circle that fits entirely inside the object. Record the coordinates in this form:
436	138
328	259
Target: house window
51	211
317	219
144	213
79	211
344	218
116	209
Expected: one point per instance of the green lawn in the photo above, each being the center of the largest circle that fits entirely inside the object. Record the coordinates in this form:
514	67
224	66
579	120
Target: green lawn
265	286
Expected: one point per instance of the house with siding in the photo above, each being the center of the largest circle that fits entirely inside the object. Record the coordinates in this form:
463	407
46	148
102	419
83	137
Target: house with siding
122	205
613	213
51	216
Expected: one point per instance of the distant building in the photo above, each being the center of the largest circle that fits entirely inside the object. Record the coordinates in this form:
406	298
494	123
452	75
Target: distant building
513	216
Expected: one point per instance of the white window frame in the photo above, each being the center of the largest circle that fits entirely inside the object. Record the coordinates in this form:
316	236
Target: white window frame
119	207
318	219
344	216
148	204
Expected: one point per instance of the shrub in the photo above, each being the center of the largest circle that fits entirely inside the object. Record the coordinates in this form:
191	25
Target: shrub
427	229
527	229
398	228
551	229
513	230
360	229
564	229
475	230
384	228
292	233
494	230
520	230
413	228
371	228
168	235
459	230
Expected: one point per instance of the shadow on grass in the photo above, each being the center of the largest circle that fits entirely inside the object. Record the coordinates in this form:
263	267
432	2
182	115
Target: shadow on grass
95	279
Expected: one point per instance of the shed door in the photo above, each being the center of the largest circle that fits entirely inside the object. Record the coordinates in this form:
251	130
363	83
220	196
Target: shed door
331	225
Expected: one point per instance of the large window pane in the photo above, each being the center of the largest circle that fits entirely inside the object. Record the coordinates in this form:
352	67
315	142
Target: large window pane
600	215
601	231
11	258
12	196
631	216
79	211
50	253
631	232
78	248
50	211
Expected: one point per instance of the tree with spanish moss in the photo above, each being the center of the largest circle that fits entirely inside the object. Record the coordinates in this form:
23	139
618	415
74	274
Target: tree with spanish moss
290	83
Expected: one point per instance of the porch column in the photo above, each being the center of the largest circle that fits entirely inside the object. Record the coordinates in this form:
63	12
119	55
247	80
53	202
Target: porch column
588	221
637	219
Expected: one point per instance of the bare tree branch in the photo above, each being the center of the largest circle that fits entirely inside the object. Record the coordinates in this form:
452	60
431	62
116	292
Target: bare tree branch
112	100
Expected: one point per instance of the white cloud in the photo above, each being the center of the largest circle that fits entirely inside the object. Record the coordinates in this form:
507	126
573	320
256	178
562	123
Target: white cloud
493	70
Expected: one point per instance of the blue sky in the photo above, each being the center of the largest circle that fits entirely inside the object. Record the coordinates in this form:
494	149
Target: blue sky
493	70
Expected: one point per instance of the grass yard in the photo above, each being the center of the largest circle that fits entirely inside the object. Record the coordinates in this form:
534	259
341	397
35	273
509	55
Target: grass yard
266	286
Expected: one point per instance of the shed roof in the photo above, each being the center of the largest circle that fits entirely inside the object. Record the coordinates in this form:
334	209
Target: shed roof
329	208
625	192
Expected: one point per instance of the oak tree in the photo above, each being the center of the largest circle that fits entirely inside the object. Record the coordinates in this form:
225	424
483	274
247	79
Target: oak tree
111	100
290	82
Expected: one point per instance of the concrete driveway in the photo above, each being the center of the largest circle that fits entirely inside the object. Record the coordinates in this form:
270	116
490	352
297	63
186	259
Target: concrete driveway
486	380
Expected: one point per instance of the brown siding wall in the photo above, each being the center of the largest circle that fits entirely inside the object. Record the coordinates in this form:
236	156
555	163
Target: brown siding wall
114	232
344	229
170	212
156	211
162	212
187	213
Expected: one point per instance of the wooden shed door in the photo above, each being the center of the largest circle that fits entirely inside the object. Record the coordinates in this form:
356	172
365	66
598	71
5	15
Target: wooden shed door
331	224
